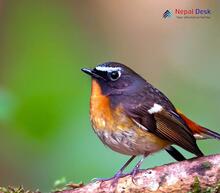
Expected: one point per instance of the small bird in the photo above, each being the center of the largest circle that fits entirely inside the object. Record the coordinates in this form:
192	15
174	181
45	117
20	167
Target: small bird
132	117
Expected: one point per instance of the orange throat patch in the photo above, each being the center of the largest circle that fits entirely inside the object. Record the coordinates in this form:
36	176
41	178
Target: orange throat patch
100	111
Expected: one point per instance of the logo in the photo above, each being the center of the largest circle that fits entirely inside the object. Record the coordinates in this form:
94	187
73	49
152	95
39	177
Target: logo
167	14
193	13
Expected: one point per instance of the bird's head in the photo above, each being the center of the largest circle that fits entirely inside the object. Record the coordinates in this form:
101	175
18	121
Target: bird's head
114	78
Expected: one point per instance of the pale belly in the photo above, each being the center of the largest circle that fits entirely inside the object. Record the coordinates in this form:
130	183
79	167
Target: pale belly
129	143
122	135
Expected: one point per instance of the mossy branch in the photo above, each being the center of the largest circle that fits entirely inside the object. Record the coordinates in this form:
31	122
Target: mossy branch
199	175
194	175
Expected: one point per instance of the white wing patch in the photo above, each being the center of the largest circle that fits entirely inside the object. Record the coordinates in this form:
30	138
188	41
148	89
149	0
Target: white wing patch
155	109
107	69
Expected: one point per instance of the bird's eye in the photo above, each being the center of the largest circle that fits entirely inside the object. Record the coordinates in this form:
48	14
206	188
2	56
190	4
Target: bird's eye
114	75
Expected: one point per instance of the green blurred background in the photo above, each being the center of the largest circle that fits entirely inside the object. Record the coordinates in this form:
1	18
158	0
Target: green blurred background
45	133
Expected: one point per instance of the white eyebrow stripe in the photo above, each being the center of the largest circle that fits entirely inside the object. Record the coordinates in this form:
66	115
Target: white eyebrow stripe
107	69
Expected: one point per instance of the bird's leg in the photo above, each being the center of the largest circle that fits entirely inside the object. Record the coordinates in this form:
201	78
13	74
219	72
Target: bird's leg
118	174
137	167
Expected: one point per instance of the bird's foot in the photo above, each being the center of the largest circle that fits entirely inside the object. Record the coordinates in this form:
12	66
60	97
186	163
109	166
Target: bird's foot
114	179
133	174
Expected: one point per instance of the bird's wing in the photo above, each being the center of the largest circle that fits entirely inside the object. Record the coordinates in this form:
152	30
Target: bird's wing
166	124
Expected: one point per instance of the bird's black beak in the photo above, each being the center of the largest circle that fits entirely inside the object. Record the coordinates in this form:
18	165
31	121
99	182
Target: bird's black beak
92	73
87	71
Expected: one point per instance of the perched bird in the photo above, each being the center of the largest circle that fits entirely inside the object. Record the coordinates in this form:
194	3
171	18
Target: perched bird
134	118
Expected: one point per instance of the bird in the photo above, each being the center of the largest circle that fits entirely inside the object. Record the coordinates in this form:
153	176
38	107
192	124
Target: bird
134	118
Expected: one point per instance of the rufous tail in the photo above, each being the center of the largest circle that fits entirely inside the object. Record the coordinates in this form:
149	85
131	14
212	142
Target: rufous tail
199	131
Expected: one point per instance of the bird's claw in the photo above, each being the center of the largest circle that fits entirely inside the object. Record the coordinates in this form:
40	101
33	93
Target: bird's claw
114	179
133	174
